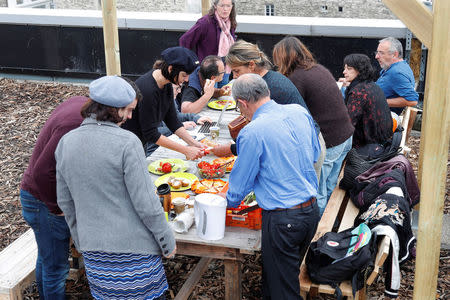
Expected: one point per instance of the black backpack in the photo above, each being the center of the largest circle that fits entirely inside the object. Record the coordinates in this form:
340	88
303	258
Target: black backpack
328	261
362	159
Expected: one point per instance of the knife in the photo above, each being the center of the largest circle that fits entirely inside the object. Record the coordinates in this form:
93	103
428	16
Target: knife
247	210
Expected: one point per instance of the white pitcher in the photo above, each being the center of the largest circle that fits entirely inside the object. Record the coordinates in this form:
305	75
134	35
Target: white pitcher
210	212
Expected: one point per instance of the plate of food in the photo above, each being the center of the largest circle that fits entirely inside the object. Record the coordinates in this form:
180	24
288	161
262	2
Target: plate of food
209	143
212	186
219	103
229	160
177	181
165	166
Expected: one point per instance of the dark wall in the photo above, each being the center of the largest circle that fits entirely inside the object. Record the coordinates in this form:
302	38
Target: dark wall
79	52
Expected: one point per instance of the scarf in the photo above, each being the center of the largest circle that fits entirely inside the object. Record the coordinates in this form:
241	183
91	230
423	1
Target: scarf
225	39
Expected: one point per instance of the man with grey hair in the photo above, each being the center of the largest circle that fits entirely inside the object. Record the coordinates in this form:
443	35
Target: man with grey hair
276	155
396	77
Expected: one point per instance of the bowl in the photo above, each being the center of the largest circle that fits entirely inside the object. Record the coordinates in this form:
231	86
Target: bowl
208	170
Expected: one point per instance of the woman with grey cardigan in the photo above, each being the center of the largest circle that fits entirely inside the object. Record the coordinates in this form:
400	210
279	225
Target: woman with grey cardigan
109	201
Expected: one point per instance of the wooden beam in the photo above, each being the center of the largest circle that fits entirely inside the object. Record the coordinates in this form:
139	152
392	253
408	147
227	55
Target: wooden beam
233	279
205	6
434	152
193	279
111	37
416	16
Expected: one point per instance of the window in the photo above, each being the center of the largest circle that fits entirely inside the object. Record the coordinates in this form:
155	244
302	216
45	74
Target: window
323	8
340	8
270	11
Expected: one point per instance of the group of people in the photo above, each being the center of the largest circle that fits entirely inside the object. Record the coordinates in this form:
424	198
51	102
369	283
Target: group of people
87	177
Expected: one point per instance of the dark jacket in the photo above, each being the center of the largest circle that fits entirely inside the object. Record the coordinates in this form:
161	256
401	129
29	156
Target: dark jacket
203	37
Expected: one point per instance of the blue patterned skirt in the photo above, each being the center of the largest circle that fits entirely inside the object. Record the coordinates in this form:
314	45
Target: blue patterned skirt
124	275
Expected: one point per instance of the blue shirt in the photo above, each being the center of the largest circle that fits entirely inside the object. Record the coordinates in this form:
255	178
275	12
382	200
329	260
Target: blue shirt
398	81
276	155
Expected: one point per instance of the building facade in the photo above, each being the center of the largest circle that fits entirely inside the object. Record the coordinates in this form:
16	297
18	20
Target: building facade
362	9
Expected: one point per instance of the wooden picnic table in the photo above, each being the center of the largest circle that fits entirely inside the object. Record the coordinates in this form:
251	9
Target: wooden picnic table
237	240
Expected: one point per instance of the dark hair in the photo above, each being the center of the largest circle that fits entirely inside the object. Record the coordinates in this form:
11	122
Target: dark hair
212	12
106	112
290	53
164	67
102	112
362	64
210	66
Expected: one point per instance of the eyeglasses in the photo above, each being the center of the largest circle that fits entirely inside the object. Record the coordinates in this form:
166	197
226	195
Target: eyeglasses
381	52
225	5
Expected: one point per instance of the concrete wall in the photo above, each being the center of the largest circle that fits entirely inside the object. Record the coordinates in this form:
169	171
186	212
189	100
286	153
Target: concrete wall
370	9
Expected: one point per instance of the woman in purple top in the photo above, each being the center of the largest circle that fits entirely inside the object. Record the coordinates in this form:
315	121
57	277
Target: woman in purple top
213	34
324	100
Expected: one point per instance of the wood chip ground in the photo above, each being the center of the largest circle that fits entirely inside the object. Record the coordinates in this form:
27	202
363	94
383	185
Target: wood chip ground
25	106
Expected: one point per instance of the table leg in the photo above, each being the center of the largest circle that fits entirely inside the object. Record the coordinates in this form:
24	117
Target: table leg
233	279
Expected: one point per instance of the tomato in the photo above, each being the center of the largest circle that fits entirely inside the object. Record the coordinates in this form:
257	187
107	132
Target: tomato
166	168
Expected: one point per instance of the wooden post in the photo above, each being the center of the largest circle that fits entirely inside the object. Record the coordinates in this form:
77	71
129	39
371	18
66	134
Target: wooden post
416	16
434	152
111	37
205	6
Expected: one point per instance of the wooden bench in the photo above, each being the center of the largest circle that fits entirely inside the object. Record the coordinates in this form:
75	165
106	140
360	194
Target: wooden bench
18	263
340	215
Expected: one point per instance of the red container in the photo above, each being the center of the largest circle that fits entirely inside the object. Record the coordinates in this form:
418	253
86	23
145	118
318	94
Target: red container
250	220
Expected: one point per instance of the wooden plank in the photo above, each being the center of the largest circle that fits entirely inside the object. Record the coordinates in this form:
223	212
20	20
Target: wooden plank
416	16
17	264
412	119
348	219
405	121
233	279
205	6
111	37
383	252
193	279
207	251
434	151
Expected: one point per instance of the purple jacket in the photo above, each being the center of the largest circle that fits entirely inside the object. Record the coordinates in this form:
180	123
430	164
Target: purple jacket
203	37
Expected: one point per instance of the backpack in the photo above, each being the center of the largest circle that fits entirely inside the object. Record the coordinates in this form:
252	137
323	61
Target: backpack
362	159
340	256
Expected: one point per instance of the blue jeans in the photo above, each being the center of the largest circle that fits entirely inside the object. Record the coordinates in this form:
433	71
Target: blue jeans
52	237
330	172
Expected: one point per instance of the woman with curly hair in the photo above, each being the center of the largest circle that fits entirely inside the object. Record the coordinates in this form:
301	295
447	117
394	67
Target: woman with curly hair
366	103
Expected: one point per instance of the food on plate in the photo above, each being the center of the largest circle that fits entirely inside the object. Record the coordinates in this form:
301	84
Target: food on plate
210	170
212	186
176	183
208	143
229	160
165	167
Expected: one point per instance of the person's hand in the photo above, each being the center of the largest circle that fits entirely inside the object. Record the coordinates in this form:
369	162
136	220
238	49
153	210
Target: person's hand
225	91
193	152
223	195
208	88
189	125
344	81
171	254
202	120
222	150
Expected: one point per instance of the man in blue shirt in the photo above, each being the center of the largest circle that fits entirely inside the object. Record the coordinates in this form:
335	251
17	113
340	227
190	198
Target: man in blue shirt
276	155
396	77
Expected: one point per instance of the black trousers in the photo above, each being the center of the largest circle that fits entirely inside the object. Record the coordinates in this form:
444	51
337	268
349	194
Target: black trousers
285	235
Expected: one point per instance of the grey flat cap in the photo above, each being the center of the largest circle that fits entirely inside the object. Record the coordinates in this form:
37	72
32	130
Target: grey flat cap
112	91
